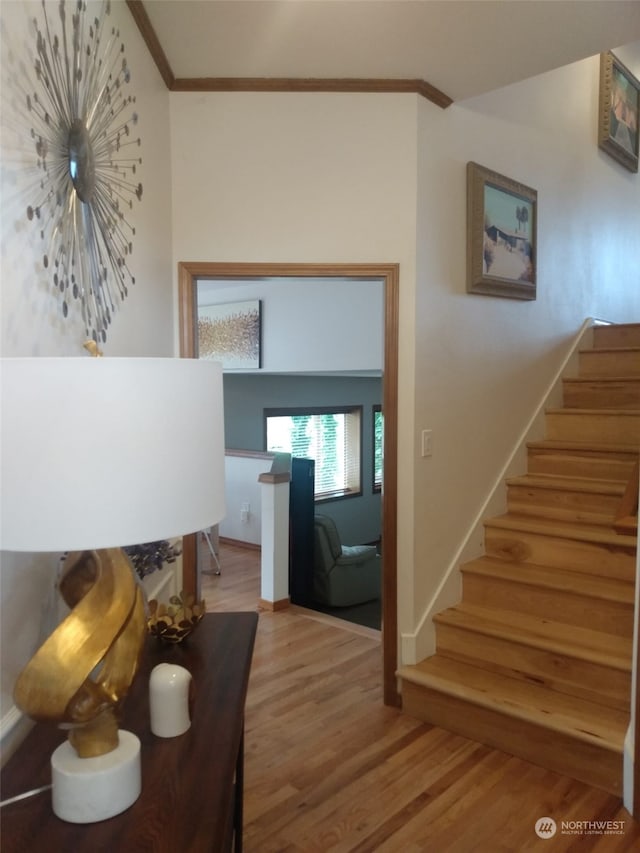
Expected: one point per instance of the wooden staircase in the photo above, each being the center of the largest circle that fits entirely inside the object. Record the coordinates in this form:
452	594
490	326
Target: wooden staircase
536	659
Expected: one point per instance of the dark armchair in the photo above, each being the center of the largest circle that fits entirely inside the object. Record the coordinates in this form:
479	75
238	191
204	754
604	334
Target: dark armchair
343	575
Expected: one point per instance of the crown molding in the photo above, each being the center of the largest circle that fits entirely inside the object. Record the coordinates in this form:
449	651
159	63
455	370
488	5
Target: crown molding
274	84
311	84
139	14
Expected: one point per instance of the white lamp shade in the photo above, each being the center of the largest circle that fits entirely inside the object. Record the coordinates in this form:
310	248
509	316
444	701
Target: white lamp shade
109	452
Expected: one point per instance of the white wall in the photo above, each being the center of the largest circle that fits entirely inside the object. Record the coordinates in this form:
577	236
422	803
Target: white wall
320	178
243	491
482	362
347	178
31	320
312	324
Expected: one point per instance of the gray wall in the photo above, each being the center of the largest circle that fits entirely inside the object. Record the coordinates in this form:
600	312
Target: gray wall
245	398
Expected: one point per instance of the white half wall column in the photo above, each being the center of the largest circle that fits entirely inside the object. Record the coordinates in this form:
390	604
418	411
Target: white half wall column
274	585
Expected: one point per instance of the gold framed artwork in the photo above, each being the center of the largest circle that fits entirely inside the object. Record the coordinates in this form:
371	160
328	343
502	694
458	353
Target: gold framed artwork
618	111
501	235
231	333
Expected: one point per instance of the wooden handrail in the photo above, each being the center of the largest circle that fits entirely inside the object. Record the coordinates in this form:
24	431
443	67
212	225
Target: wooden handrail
626	520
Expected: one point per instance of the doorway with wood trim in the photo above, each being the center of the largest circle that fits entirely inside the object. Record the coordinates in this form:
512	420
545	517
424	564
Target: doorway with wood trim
188	275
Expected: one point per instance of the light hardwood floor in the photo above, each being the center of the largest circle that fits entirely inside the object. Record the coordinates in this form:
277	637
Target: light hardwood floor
329	768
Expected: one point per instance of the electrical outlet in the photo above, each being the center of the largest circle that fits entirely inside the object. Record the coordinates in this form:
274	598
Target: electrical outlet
245	512
427	442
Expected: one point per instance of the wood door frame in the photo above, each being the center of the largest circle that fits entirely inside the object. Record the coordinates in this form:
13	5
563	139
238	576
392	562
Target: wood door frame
188	274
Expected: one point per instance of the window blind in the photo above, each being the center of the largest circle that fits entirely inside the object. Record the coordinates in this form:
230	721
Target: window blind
330	438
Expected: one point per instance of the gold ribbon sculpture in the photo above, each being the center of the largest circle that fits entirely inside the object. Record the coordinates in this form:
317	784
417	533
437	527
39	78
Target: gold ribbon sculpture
80	675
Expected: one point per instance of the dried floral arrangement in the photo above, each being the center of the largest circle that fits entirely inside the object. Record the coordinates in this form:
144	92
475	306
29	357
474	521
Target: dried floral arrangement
175	621
151	556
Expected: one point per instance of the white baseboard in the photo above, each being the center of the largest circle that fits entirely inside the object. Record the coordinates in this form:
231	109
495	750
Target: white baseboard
14	727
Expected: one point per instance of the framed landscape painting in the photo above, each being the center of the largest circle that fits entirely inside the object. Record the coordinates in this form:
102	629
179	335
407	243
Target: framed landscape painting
501	235
618	113
231	333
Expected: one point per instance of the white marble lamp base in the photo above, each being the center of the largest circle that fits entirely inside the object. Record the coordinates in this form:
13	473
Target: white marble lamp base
86	790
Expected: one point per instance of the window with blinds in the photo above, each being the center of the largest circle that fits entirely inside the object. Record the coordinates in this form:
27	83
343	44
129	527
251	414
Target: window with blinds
378	448
329	436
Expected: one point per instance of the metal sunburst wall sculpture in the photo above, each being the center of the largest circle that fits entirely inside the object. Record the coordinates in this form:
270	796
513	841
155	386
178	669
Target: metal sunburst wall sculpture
82	129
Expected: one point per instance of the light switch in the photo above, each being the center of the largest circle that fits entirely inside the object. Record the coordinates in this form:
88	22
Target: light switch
427	442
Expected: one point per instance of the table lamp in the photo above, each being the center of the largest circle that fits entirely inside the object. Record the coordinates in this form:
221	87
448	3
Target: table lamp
98	454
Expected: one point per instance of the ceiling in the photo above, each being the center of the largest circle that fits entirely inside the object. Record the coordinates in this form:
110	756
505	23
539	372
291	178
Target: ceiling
461	47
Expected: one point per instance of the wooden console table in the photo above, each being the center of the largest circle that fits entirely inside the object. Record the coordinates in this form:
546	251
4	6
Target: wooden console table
191	796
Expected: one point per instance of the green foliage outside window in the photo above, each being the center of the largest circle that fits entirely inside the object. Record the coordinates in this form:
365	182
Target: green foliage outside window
330	438
378	448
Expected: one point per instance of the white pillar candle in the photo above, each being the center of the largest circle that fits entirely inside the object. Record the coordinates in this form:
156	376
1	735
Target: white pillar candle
169	700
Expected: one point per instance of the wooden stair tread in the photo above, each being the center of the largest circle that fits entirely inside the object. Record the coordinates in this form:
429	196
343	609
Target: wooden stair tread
606	327
550	577
601	534
572	412
569	640
586	446
587	380
583	720
610	349
560	482
627	525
